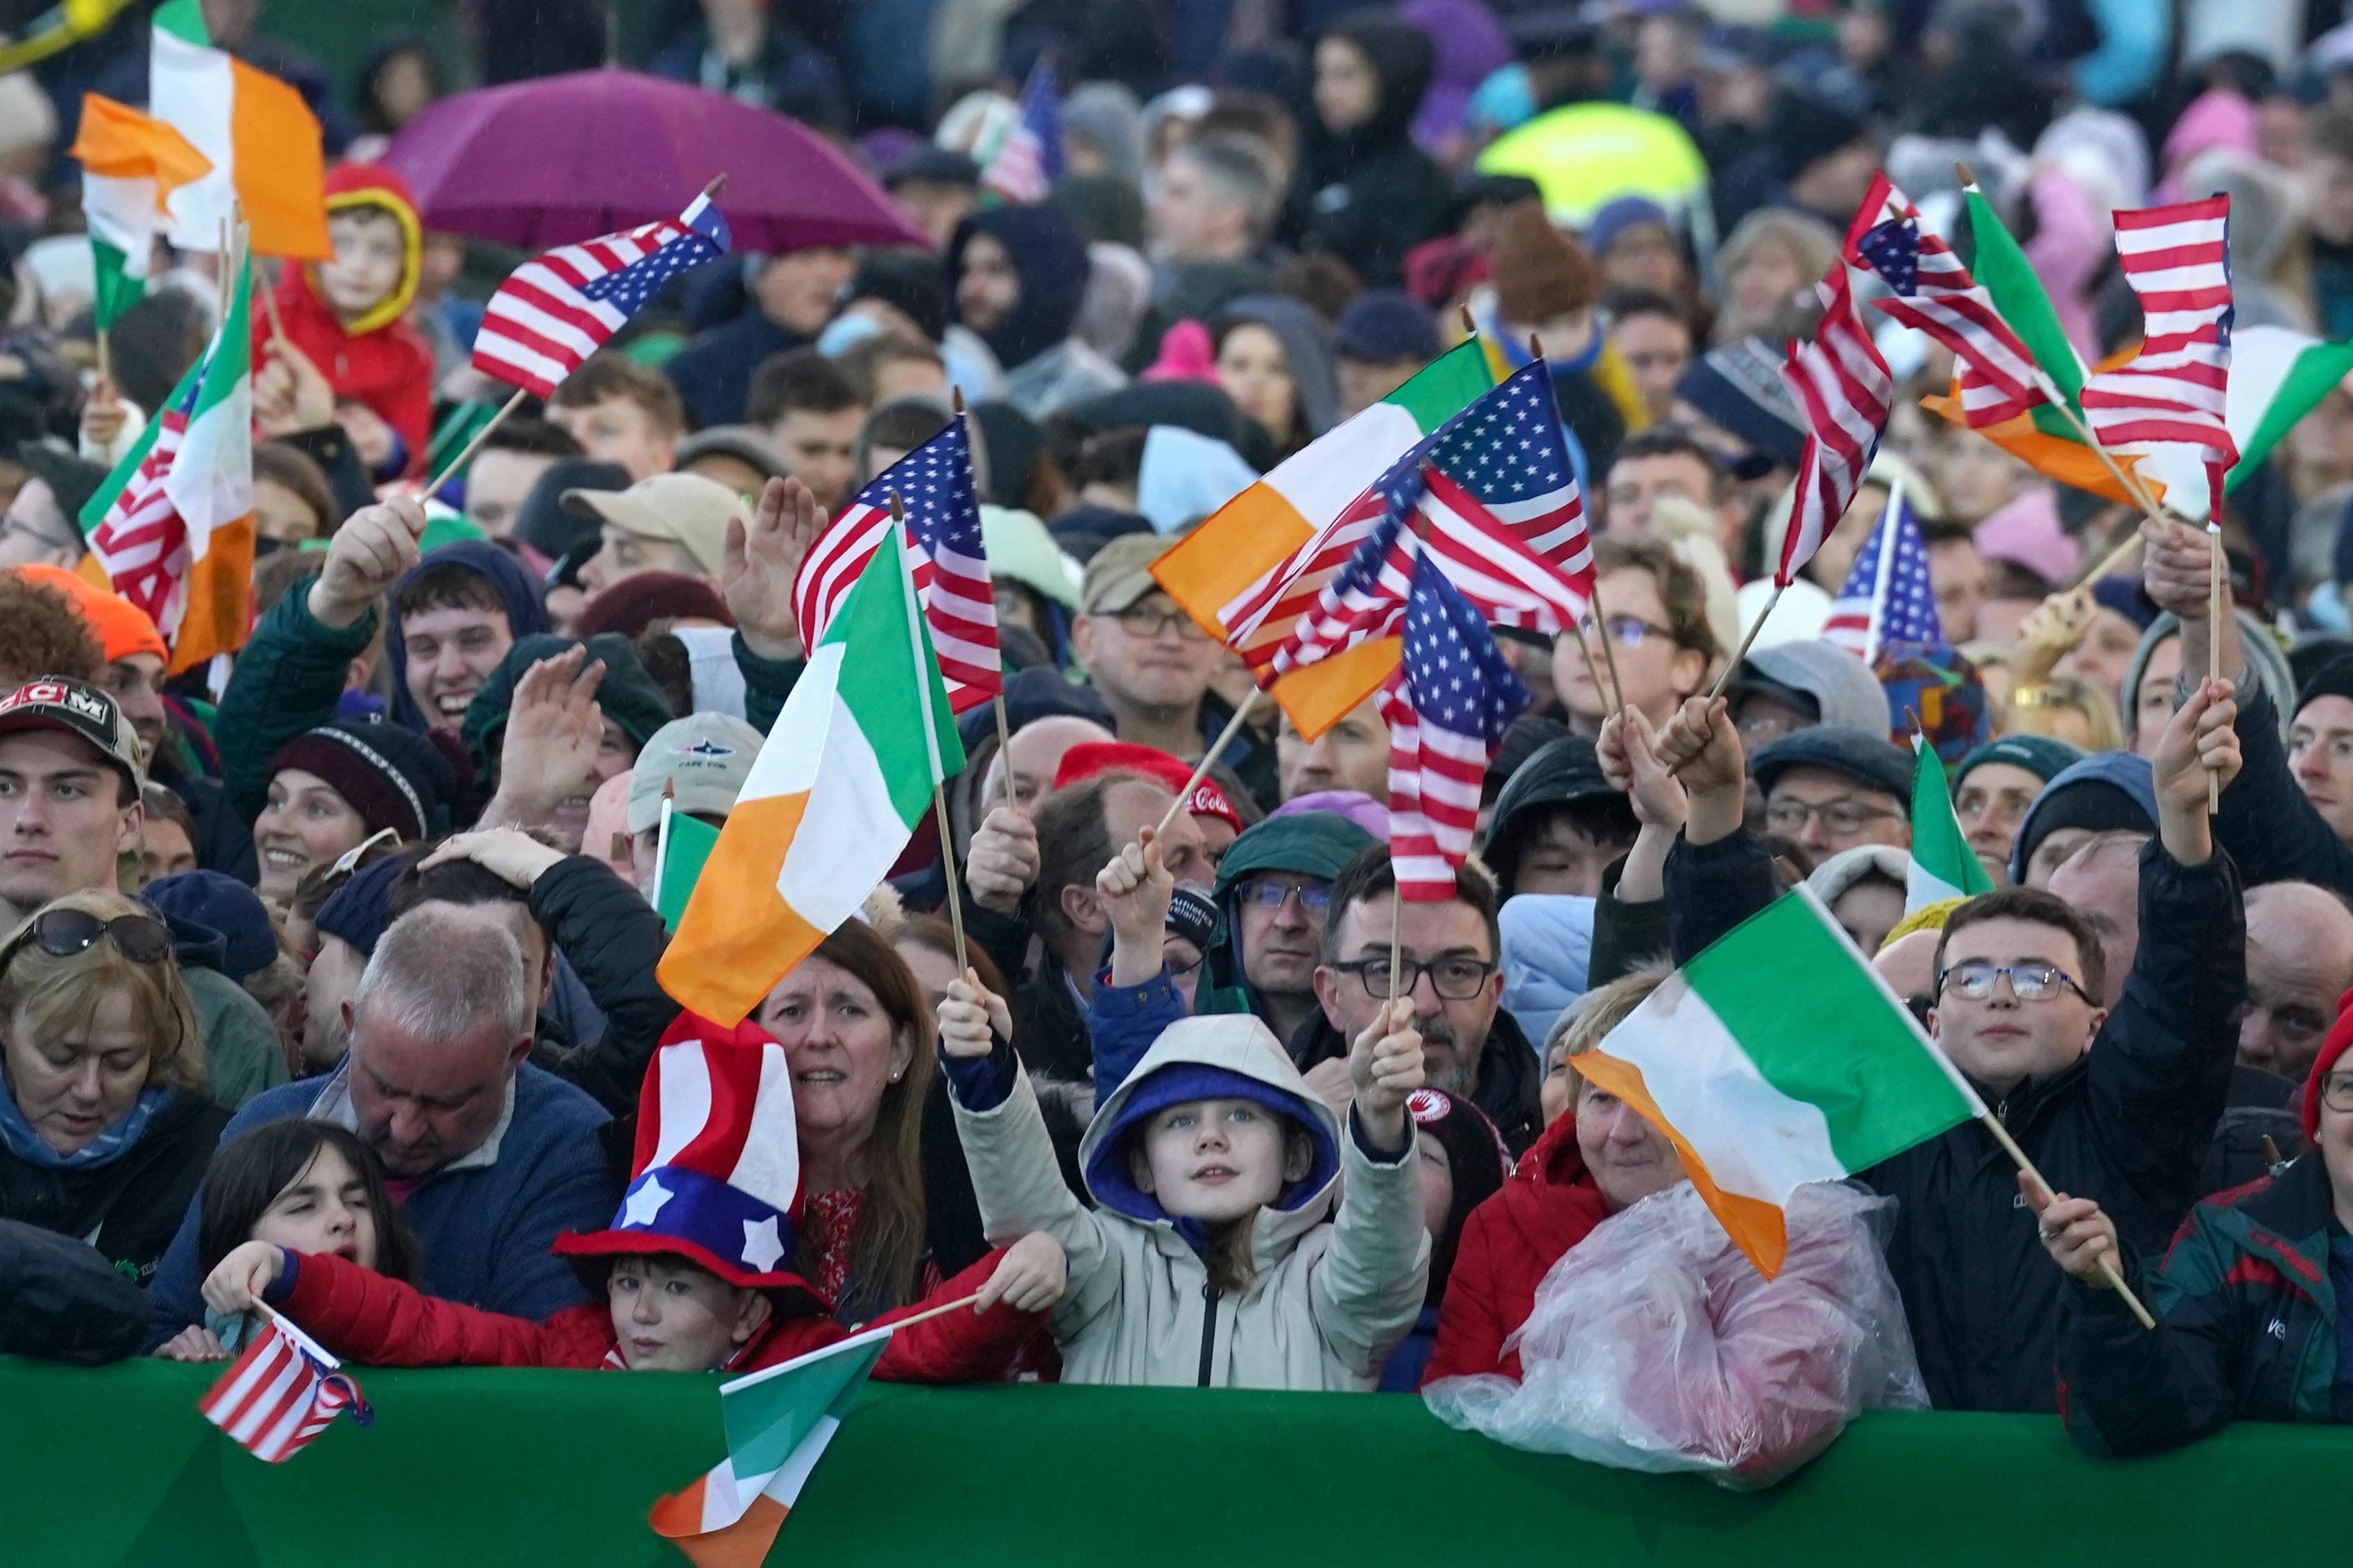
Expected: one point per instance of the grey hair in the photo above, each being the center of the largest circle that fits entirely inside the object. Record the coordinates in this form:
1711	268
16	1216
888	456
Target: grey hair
447	971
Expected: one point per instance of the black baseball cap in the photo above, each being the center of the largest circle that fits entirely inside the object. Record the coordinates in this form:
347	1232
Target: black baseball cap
79	710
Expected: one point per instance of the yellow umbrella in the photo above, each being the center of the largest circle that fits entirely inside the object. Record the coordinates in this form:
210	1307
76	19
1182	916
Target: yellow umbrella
1585	156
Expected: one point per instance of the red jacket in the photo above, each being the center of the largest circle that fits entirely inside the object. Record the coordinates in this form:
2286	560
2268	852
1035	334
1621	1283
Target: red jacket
1547	1206
371	1318
383	361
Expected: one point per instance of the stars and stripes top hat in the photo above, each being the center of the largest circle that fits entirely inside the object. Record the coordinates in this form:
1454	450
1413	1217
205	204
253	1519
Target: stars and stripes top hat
717	1174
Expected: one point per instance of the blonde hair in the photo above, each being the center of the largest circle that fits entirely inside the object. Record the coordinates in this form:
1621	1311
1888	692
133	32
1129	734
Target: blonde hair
55	995
2030	712
1584	1026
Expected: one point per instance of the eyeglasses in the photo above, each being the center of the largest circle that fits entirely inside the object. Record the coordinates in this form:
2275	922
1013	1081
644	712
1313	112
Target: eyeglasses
61	934
1267	894
2028	982
1843	816
1144	622
1454	979
1180	966
1632	631
2336	1092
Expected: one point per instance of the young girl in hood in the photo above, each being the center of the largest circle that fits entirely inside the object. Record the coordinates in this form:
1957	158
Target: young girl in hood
1206	1261
696	1270
349	316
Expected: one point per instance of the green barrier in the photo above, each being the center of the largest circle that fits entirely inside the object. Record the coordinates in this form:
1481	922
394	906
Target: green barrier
558	1467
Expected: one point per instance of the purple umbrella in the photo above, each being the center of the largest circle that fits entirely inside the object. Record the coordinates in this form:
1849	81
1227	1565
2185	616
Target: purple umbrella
565	158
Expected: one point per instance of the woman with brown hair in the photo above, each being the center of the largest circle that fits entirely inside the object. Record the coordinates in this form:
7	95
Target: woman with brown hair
105	1129
858	1037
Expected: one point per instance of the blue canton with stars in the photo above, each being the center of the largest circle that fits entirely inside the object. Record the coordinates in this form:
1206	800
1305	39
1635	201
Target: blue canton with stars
1893	249
1910	614
1508	445
1454	674
934	484
628	287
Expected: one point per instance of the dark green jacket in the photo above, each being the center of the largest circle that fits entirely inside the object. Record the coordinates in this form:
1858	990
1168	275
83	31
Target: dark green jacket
2246	1328
289	679
1309	844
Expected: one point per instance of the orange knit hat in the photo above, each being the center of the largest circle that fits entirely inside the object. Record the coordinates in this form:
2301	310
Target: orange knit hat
1540	272
123	627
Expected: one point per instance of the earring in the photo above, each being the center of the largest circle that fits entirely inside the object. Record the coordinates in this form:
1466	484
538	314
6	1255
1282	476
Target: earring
894	1075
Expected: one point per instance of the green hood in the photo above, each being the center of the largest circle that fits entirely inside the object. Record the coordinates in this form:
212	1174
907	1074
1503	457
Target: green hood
1310	844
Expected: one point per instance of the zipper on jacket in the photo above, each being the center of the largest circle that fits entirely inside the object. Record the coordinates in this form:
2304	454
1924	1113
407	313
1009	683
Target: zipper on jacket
1209	1329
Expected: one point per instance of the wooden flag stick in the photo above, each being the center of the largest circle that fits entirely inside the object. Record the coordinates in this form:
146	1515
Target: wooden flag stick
1397	940
928	1313
2114	561
1210	759
1609	654
466	453
1724	676
1469	323
1005	748
2107	1269
276	322
947	864
2214	614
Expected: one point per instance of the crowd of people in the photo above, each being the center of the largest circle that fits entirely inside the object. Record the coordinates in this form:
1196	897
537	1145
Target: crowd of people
329	979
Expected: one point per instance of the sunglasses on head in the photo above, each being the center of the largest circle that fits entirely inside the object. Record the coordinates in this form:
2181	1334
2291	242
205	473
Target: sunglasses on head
61	934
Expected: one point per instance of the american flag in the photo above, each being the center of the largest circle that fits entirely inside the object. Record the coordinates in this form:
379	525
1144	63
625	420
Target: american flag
1846	391
1028	160
1451	701
1936	293
2178	260
945	556
556	309
1493	497
142	541
282	1393
1888	598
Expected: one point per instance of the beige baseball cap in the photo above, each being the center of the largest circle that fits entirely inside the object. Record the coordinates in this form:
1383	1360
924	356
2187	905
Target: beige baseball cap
689	509
1121	572
704	758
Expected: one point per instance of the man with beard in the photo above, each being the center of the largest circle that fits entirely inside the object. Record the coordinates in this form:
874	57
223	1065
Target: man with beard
1471	1048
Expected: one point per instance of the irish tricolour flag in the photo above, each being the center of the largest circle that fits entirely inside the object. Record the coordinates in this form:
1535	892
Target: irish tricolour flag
849	770
131	164
261	140
1943	865
1255	566
778	1423
1775	1059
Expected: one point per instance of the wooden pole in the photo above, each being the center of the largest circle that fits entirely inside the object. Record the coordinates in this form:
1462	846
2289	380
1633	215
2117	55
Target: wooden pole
2214	613
2107	1269
1397	940
928	1313
1723	677
948	863
466	453
2113	561
1210	759
1004	752
1609	654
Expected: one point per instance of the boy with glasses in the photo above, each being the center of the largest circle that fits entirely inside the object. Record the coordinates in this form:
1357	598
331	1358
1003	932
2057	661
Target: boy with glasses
1653	610
2116	1104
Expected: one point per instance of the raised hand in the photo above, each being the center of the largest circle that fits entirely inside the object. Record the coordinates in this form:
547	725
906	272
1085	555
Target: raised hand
290	393
1135	889
1385	1064
366	557
2198	743
1700	747
1029	1278
1002	861
1629	749
972	1019
102	418
763	558
2174	567
554	732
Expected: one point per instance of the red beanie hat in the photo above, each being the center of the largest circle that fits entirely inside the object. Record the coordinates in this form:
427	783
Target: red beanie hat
2340	1035
1091	757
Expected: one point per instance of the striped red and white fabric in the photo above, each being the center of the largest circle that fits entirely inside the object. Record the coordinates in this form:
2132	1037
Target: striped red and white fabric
2177	259
143	541
1846	391
280	1393
1259	619
946	556
1934	292
557	309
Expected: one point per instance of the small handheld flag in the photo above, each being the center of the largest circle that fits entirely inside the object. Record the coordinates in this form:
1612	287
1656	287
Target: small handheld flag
1845	388
1888	598
680	850
282	1393
944	554
2177	259
131	164
1943	864
1029	158
559	307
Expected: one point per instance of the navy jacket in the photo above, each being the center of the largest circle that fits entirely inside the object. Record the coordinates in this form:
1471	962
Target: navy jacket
2128	1124
485	1232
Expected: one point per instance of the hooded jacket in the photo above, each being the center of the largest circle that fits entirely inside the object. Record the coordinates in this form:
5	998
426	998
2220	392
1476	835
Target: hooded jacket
2128	1123
526	614
1046	370
1325	1302
1306	348
1311	844
1845	691
1548	1203
1559	776
380	360
1369	195
2247	1325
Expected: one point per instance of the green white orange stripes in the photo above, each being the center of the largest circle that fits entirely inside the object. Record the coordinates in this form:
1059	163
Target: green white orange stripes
1775	1059
1943	864
261	140
131	164
778	1423
840	782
